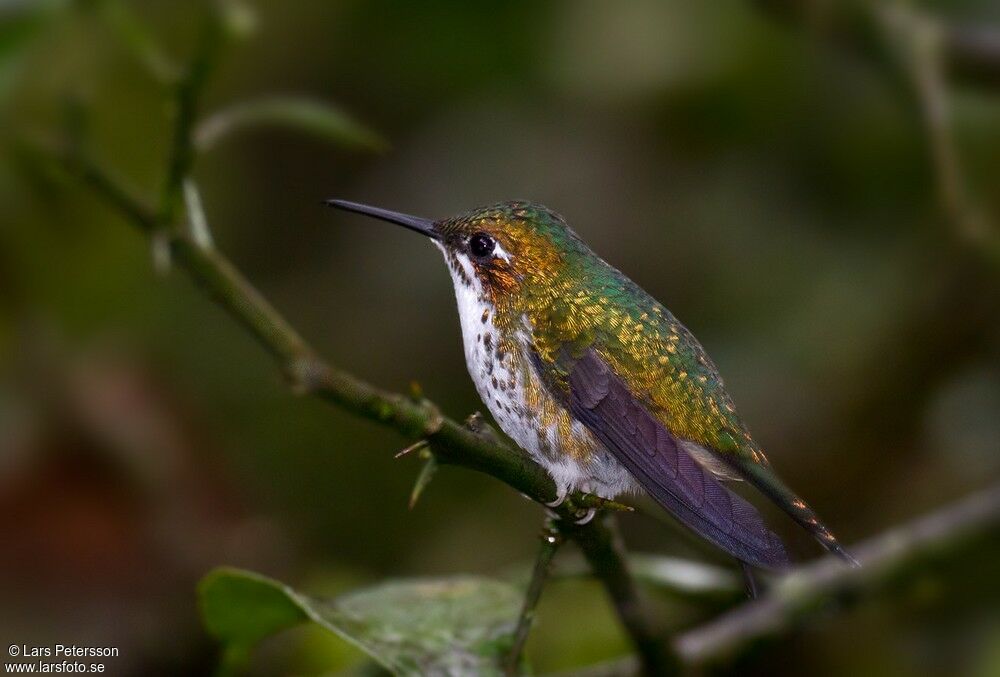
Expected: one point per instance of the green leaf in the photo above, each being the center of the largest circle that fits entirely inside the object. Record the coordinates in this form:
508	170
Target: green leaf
459	625
312	117
241	607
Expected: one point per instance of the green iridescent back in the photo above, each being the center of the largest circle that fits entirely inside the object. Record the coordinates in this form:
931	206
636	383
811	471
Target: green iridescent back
575	300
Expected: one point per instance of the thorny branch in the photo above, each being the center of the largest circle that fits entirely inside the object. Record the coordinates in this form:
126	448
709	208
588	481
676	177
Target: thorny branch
452	442
900	554
971	55
471	446
929	53
894	554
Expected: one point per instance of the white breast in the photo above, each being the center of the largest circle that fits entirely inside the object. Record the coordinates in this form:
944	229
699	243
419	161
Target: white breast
500	382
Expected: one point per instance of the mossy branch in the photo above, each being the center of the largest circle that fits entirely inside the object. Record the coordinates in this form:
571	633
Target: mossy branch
888	560
475	447
180	235
452	442
971	54
930	55
894	555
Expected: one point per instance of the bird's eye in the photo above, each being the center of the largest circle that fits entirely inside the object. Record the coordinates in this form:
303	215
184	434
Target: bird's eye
481	245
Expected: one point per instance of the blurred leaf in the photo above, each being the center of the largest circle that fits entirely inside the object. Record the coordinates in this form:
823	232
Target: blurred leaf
685	577
311	117
459	625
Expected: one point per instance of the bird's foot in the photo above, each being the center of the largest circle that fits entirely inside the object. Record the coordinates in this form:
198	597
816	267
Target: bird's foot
561	495
589	515
582	506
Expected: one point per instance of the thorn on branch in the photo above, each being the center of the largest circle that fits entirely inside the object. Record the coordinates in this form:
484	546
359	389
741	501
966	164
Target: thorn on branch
416	446
427	473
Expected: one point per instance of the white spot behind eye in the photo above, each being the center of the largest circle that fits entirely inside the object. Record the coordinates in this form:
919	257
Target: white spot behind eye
501	253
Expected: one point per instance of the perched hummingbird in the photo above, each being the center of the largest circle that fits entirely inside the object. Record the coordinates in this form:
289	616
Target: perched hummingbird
598	382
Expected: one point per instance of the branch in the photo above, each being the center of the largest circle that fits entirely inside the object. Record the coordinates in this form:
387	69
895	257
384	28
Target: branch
187	96
889	558
551	538
929	52
471	446
601	545
919	43
453	443
971	53
899	553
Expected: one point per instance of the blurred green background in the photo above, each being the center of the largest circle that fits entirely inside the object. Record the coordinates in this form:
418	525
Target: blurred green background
774	190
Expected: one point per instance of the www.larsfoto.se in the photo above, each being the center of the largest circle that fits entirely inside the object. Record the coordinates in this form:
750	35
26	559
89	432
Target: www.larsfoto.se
62	666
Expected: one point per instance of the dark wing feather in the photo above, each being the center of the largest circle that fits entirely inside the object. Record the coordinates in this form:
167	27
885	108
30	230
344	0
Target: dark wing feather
603	403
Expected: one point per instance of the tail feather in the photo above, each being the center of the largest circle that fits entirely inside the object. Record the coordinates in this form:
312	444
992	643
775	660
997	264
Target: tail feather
771	486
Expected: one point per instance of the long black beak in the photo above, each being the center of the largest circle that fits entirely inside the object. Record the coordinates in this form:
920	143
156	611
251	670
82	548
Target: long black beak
422	226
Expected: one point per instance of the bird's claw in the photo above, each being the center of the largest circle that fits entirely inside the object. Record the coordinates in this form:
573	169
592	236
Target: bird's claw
589	515
560	499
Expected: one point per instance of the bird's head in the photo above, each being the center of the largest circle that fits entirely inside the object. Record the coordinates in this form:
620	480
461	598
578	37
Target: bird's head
502	251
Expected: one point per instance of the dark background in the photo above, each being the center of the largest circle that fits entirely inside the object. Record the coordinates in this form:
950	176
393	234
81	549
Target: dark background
774	189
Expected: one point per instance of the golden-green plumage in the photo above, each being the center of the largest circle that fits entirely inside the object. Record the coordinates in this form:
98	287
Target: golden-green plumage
574	300
551	291
597	381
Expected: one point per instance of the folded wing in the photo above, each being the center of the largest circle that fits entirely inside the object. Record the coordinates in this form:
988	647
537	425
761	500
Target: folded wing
603	403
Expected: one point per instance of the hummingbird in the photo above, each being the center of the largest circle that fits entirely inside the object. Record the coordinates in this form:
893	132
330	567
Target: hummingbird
598	382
